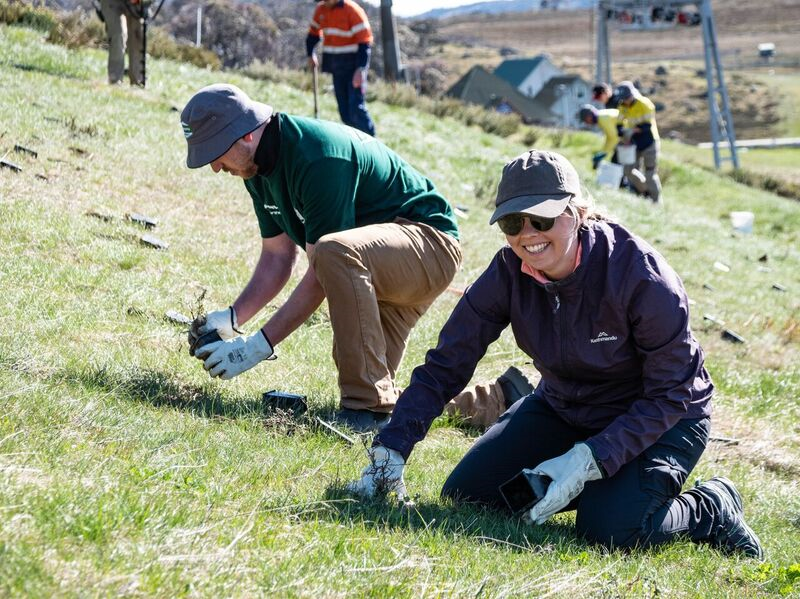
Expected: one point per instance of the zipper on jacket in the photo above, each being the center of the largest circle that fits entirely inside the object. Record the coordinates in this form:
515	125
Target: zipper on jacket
553	288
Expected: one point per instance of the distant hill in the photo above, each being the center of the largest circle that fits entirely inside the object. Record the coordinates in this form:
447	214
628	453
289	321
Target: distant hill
503	6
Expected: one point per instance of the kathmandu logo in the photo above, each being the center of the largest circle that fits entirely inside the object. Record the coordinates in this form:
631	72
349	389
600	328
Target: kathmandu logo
187	130
603	336
273	210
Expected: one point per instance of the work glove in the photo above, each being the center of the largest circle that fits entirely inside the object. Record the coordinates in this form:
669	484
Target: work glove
383	474
597	159
229	358
570	472
223	322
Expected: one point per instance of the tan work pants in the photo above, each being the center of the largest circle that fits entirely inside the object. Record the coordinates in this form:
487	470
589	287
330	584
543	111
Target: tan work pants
649	181
379	279
124	29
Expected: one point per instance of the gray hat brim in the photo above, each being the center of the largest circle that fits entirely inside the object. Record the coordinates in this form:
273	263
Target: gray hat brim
201	153
545	206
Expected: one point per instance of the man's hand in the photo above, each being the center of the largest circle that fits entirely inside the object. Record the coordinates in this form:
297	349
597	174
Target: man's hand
227	359
313	62
358	78
222	321
570	472
382	475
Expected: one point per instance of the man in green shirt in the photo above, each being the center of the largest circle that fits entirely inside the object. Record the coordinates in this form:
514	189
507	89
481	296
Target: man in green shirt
381	242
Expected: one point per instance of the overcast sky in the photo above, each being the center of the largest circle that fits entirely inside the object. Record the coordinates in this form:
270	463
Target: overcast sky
407	8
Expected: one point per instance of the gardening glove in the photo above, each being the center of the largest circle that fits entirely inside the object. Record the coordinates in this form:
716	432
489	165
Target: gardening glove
227	359
569	472
383	474
597	159
223	322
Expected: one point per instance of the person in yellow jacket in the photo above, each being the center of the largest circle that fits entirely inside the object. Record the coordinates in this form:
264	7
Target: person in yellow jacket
637	115
606	119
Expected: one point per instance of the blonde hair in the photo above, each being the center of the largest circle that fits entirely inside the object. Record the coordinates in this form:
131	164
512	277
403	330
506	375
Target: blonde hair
583	208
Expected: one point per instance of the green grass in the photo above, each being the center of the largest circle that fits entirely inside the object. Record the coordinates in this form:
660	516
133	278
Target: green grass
125	471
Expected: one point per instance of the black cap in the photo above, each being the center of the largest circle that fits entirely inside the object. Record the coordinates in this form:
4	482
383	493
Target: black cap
538	183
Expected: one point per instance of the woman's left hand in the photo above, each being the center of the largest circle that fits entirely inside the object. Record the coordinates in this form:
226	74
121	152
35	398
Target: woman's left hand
570	472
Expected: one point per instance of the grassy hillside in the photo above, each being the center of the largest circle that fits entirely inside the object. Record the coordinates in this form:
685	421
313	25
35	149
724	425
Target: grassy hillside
125	471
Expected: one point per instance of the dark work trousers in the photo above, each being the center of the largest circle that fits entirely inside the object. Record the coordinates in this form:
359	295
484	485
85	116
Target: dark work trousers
640	505
351	101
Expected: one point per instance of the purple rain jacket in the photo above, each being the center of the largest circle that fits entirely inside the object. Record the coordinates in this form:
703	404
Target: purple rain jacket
611	341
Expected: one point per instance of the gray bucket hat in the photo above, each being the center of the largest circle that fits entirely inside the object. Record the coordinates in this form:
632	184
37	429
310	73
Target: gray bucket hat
538	183
215	118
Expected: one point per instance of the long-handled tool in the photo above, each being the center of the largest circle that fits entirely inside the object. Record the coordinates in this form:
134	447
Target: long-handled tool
315	82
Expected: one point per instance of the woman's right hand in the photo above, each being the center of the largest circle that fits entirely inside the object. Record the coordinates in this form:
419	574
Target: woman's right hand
383	474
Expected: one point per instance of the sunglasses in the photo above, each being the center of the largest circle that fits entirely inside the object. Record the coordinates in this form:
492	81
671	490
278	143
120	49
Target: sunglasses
512	224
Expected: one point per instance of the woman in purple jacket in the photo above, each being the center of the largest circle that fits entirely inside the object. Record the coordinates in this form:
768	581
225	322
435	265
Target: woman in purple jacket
620	416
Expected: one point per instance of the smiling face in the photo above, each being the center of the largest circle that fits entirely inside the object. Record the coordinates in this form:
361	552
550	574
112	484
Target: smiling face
551	252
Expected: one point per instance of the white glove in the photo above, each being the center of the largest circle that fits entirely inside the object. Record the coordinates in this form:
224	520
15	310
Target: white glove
223	322
383	474
226	359
569	472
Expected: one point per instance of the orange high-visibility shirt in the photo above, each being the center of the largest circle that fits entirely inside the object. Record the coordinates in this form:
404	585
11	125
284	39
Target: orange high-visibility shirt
342	28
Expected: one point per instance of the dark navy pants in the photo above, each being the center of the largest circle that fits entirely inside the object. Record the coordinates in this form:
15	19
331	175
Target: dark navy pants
351	102
640	505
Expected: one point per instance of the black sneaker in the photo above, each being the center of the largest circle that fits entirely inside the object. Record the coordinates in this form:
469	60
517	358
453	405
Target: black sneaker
732	533
360	421
514	384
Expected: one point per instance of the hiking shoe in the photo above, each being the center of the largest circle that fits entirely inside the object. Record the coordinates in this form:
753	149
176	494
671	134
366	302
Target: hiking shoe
361	421
732	534
514	384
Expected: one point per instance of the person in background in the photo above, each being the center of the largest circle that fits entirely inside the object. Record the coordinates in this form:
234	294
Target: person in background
603	96
344	29
637	115
381	241
606	119
124	30
621	414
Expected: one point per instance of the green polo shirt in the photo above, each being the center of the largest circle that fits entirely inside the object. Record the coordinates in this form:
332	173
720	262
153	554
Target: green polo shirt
329	178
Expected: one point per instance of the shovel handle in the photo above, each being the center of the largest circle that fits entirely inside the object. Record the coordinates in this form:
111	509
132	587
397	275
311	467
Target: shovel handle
315	81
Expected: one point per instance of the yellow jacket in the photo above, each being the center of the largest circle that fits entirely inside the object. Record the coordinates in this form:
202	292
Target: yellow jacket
607	121
641	111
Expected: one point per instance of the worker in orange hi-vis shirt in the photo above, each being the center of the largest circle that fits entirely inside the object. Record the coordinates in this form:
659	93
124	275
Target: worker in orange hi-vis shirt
346	45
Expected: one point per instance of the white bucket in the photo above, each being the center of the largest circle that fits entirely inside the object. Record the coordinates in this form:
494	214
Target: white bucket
742	221
609	174
626	154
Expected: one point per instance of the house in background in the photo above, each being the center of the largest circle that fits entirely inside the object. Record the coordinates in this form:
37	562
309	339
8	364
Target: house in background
563	96
528	75
534	88
486	89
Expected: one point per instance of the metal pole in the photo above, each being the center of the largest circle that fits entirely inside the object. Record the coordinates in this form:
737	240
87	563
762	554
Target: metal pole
391	46
603	58
721	120
199	36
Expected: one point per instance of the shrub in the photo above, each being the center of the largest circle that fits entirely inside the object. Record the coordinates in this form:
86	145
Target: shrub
77	30
161	45
14	12
530	136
